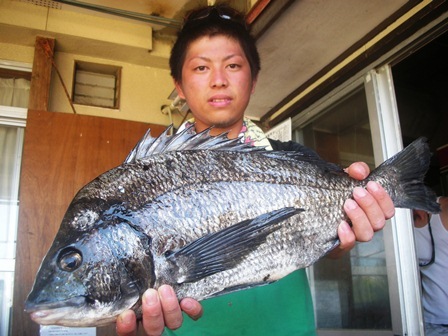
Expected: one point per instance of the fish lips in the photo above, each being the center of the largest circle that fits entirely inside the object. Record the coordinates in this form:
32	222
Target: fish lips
76	301
76	312
50	312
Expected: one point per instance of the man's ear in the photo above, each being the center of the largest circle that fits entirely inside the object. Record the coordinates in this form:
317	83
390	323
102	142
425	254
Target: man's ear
179	90
421	218
254	83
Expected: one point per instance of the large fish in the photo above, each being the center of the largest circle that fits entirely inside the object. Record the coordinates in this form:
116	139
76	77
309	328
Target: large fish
206	215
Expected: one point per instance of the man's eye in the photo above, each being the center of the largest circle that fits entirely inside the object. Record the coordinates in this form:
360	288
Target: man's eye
200	68
234	66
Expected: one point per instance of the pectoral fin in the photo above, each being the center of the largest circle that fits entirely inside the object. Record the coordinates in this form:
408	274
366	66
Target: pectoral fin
224	249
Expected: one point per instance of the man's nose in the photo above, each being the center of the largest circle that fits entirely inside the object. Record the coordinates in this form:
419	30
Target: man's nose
219	78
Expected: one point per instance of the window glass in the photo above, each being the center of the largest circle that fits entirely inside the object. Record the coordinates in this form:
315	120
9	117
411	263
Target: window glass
14	92
11	139
97	85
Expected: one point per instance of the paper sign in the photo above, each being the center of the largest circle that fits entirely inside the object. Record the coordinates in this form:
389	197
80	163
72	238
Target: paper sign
66	331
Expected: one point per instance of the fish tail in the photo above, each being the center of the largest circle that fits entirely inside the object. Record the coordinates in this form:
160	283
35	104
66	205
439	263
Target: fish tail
403	178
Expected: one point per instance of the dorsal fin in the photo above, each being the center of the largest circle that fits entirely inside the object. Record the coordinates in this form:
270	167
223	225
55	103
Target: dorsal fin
185	140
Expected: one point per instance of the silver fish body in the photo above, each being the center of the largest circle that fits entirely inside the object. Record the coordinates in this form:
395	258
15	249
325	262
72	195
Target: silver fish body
205	215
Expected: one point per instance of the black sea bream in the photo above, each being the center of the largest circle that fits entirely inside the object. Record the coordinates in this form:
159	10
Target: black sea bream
206	215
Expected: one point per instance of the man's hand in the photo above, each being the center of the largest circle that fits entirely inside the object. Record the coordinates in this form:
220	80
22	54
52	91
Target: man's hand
160	308
368	211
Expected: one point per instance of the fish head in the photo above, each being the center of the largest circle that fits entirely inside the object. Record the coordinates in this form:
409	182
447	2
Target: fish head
98	266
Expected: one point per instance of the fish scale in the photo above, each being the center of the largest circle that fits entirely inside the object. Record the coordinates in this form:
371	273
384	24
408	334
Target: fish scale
206	215
231	193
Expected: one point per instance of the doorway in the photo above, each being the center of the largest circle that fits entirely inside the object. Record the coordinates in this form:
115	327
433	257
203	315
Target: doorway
421	89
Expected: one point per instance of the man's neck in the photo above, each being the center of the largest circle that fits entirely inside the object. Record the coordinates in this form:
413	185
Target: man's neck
233	130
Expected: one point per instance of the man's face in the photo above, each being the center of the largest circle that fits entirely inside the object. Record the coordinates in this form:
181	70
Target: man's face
216	83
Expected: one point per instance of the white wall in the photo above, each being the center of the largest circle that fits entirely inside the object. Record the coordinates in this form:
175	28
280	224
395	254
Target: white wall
143	90
146	82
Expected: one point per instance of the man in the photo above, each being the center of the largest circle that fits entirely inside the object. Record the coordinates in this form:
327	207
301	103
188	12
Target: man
431	238
214	64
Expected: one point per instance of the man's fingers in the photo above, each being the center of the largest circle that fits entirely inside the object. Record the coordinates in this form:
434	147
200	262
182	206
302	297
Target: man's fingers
358	170
153	321
171	309
360	222
192	308
382	197
347	241
371	208
126	324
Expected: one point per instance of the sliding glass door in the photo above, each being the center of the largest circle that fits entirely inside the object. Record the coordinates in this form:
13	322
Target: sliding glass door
374	289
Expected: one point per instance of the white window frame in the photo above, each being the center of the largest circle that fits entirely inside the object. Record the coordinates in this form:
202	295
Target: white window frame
404	285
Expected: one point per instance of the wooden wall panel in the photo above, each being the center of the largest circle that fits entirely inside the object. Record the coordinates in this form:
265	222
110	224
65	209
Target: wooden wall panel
62	152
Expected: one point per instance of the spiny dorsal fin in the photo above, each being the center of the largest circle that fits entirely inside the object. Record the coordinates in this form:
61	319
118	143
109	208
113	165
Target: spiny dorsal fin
185	140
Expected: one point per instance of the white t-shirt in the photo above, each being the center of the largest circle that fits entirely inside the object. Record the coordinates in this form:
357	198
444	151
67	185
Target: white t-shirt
434	276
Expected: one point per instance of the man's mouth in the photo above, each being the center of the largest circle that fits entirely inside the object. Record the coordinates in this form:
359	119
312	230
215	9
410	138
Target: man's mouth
224	101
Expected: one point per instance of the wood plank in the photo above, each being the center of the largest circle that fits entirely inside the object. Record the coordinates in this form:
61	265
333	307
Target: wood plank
41	75
62	152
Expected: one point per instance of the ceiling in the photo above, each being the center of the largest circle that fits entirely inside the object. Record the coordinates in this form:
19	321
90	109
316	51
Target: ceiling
296	39
308	36
168	13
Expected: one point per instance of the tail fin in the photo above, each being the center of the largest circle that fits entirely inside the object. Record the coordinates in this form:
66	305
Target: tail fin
403	177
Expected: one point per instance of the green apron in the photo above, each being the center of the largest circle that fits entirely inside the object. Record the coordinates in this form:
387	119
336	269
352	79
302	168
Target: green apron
282	308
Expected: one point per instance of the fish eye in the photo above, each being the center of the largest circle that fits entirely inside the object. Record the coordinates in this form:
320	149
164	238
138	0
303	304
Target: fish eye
69	259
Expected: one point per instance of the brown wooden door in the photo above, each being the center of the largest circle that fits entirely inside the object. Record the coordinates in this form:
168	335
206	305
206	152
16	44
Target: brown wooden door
62	152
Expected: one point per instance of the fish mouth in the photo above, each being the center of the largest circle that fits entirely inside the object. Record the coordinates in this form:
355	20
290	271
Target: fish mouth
50	316
77	301
78	311
71	317
74	312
